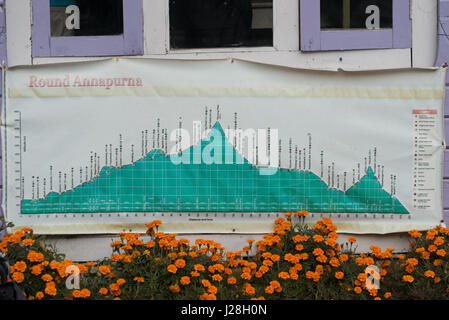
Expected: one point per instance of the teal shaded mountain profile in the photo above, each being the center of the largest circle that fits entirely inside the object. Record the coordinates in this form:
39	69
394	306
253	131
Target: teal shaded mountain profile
157	183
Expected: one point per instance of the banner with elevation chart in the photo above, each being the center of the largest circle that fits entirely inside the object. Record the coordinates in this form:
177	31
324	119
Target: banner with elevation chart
220	146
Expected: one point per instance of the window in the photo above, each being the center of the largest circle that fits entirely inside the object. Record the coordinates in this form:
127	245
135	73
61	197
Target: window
354	24
87	27
220	23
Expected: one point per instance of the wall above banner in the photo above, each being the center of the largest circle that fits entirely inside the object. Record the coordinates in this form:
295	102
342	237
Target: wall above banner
220	146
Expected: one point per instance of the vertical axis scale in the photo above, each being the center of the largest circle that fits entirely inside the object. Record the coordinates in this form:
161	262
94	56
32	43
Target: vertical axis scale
18	155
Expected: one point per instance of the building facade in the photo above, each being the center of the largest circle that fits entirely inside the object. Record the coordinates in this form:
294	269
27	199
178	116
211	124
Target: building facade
308	34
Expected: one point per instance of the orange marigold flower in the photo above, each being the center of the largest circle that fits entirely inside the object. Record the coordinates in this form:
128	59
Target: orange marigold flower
54	265
206	283
415	233
425	255
34	256
267	263
116	243
362	277
18	277
302	213
104	270
409	269
357	290
437	280
441	252
318	251
20	266
430	235
115	258
85	293
103	291
439	241
339	275
343	257
246	276
249	289
37	269
387	295
27	242
199	267
220	268
294	275
300	238
318	238
175	288
121	281
310	274
185	280
217	277
232	280
279	220
298	267
150	244
330	242
193	254
352	239
157	223
408	278
284	275
76	293
212	289
47	278
334	262
39	295
412	261
429	274
208	296
263	269
139	279
180	263
319	269
437	262
127	247
115	289
269	290
172	268
82	268
51	290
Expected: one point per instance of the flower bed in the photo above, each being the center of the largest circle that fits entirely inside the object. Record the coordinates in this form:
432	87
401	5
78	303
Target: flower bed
293	262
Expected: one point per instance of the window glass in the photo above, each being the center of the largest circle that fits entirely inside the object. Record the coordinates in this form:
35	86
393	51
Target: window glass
86	17
356	14
220	23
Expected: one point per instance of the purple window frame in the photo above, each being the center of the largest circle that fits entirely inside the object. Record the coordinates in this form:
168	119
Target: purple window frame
129	43
315	39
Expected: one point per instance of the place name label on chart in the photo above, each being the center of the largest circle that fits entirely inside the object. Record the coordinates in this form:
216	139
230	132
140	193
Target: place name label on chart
424	170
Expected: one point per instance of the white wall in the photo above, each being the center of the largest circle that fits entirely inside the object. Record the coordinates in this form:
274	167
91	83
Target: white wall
285	51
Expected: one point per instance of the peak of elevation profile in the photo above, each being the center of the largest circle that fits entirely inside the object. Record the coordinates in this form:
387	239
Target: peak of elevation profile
157	183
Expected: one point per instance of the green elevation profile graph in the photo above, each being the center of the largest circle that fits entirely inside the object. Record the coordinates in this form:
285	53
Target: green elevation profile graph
155	183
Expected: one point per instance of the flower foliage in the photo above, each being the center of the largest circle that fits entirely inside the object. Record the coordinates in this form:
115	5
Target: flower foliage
295	261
